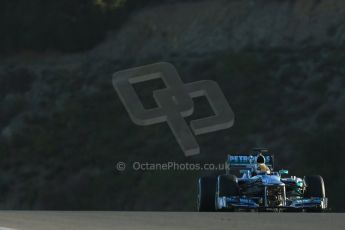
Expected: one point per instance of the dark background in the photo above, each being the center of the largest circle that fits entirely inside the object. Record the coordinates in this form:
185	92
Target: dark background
280	64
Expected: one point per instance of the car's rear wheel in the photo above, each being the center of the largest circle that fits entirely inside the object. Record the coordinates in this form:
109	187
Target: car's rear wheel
226	186
315	187
206	193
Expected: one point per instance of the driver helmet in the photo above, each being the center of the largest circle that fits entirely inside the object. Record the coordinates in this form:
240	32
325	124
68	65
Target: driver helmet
260	159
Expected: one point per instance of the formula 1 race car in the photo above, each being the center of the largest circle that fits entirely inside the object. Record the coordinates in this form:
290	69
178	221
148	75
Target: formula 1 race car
261	191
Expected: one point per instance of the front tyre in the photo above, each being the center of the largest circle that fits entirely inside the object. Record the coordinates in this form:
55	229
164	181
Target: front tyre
227	186
315	188
206	193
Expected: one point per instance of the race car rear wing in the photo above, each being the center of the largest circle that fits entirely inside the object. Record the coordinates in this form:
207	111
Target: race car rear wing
242	161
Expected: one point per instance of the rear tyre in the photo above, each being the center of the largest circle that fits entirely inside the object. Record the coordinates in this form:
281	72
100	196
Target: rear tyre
226	186
315	187
206	193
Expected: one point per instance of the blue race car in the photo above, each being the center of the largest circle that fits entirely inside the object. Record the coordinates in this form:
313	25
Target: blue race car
257	189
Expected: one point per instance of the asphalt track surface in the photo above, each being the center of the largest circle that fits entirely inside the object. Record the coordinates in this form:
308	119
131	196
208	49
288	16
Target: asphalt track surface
33	220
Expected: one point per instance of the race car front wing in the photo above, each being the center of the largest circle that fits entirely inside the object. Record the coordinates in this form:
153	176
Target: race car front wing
248	203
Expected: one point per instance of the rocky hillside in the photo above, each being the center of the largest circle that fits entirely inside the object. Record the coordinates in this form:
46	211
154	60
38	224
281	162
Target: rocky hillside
279	63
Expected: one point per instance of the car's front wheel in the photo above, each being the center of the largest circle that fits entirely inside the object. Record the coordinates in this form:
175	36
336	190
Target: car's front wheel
206	193
226	186
315	188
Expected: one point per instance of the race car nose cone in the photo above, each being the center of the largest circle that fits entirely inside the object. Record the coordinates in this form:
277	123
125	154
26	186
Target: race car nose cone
272	180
